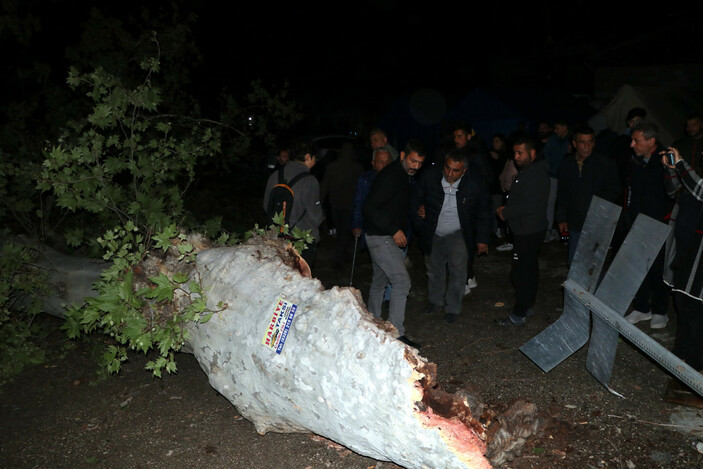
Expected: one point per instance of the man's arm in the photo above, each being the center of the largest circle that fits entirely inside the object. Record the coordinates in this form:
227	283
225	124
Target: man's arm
317	215
690	179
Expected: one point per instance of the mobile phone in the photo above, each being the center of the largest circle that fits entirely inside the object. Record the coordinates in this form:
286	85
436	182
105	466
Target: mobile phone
671	158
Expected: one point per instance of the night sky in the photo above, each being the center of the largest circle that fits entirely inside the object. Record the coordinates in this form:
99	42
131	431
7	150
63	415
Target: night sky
363	54
369	51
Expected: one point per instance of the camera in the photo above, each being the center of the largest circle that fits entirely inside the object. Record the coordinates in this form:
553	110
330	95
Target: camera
670	158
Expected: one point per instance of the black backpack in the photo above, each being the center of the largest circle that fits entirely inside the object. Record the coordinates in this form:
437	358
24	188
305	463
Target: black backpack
282	196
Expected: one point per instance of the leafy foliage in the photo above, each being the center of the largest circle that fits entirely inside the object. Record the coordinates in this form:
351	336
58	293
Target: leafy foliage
122	154
22	287
300	239
123	162
142	314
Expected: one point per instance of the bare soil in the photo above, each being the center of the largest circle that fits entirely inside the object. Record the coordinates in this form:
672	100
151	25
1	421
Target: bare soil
62	415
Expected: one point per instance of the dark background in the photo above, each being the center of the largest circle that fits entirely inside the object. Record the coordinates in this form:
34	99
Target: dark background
347	58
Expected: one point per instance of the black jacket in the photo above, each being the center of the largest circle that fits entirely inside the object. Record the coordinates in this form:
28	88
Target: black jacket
387	207
526	206
646	192
473	206
598	176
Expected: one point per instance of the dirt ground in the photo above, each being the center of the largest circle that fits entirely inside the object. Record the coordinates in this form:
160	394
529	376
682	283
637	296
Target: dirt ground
61	416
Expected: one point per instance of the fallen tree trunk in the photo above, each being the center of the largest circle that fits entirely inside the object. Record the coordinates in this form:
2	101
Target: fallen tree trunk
294	357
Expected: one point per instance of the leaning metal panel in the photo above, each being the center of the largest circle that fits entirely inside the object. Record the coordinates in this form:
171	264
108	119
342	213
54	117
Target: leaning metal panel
611	300
654	349
598	228
618	288
570	332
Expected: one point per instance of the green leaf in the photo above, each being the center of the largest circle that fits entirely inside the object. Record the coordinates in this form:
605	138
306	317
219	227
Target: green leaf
163	289
180	277
206	318
134	327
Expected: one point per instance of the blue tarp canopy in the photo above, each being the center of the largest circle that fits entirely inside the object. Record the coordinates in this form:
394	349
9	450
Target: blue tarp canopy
427	116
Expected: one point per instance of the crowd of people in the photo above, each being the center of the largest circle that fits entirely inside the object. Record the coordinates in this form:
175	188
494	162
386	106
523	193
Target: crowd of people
526	189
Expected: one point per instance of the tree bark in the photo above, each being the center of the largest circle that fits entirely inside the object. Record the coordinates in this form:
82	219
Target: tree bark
334	370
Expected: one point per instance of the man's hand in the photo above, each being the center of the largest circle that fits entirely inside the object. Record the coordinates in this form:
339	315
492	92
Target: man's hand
499	212
482	248
563	226
665	158
400	240
421	211
356	232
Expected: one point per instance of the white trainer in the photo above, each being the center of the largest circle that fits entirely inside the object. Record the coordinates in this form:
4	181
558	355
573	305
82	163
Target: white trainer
505	247
638	316
659	321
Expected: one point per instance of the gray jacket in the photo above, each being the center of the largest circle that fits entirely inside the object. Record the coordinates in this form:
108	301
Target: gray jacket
307	211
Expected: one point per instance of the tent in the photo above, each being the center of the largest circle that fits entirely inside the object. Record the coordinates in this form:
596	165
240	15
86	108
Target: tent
667	108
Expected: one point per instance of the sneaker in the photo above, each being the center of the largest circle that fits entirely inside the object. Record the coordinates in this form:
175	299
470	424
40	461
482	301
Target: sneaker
638	316
450	318
505	247
659	321
550	236
471	283
409	342
512	320
432	309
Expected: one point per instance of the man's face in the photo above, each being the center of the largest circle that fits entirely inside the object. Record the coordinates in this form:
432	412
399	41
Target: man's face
634	121
561	130
453	170
411	162
381	159
642	146
584	145
461	138
309	161
694	128
543	130
283	157
523	156
378	140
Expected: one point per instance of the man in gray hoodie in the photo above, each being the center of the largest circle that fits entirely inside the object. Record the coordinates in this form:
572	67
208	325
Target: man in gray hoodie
525	211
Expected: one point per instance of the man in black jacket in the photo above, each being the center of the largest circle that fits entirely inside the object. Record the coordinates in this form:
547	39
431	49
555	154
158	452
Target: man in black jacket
454	214
582	175
646	194
386	222
525	212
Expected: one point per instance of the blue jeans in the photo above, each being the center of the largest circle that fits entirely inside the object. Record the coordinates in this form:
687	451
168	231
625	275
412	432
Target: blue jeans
388	266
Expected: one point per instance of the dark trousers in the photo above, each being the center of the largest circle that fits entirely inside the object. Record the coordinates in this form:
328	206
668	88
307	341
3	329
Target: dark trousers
309	255
688	345
653	294
345	240
525	270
